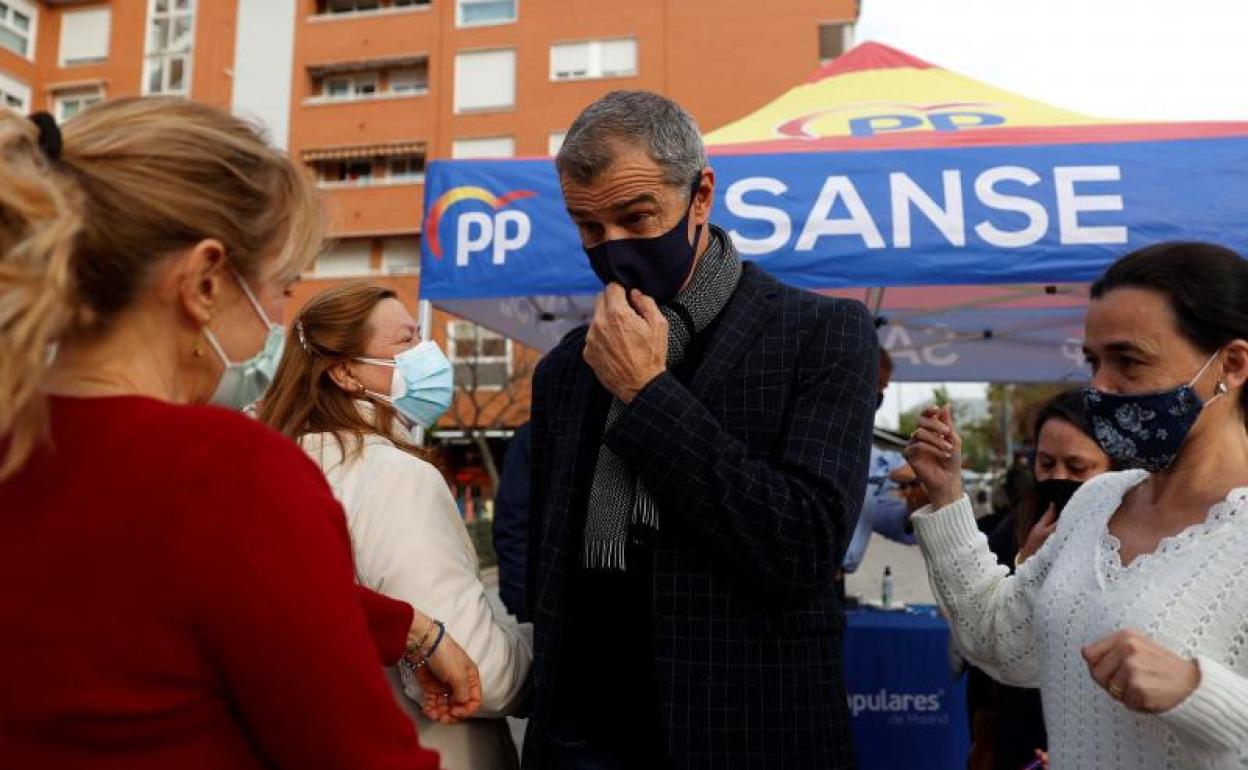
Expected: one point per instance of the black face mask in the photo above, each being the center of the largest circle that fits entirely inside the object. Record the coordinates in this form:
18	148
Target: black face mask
1056	492
658	266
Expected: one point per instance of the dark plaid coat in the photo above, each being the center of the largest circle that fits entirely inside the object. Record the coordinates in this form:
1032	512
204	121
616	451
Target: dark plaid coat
758	467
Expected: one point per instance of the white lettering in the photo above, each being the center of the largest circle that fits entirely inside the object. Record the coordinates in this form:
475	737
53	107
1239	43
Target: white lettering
781	226
503	242
1037	217
465	244
948	219
859	222
1070	204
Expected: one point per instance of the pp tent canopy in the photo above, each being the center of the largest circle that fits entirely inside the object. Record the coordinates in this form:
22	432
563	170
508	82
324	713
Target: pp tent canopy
967	217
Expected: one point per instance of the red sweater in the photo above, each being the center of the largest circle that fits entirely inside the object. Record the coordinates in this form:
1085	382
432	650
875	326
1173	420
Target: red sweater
180	596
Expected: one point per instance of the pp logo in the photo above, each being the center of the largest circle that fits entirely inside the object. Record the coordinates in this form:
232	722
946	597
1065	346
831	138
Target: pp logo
499	231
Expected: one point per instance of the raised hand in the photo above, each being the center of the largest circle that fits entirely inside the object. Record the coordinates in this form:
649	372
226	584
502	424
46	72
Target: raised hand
627	342
1041	532
935	454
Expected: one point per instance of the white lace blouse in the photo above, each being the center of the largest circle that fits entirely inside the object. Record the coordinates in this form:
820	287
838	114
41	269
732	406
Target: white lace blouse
1190	595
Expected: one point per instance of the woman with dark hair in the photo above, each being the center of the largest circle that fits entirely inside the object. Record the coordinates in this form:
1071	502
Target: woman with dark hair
1133	617
1007	723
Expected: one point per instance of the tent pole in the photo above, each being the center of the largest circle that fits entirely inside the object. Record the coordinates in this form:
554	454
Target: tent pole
424	319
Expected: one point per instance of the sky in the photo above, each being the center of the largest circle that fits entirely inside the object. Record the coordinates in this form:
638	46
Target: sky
1140	59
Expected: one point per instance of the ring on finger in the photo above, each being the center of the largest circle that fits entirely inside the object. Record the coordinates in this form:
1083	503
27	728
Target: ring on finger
1115	690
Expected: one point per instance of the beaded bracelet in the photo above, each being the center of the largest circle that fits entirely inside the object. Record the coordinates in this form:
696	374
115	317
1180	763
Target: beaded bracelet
412	661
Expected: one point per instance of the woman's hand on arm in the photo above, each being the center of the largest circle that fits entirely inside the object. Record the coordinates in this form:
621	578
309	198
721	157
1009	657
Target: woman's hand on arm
449	681
935	454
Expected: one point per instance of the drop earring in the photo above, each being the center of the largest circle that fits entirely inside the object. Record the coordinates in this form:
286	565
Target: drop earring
1221	389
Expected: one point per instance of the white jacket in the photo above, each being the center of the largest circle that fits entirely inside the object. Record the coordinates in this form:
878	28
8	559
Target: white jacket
410	543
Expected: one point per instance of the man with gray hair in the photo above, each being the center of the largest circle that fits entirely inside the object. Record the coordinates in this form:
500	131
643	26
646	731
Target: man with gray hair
699	458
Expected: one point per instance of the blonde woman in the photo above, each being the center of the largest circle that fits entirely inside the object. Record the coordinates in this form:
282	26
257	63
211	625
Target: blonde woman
355	379
179	582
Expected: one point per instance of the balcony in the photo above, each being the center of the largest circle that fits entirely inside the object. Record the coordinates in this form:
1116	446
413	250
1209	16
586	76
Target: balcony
394	209
346	122
364	35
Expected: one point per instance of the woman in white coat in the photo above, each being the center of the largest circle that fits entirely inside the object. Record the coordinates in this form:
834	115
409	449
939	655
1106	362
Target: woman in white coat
355	379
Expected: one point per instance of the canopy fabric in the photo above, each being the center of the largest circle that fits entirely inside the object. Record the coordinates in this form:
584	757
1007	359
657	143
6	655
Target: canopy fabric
880	171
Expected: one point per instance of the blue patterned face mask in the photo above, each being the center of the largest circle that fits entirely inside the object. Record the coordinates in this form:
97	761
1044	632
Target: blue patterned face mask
1146	430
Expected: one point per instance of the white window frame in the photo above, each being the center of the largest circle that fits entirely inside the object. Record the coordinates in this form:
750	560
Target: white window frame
461	24
64	62
476	331
12	88
30	11
456	144
152	57
354	82
847	36
415	91
408	177
594	71
459	109
554	142
84	97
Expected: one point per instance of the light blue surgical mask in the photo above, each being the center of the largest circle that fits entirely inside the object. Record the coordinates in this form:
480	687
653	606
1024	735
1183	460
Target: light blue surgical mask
243	383
423	383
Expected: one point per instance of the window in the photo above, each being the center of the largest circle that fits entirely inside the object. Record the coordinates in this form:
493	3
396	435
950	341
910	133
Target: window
556	142
485	80
477	13
84	36
348	173
170	36
71	102
401	255
410	81
482	358
350	6
17	26
409	168
347	257
14	94
362	86
340	7
593	59
834	39
491	147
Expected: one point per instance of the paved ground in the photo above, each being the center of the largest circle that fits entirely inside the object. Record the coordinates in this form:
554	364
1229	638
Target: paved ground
909	573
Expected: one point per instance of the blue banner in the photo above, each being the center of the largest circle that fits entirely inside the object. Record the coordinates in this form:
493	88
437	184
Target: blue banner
971	215
908	710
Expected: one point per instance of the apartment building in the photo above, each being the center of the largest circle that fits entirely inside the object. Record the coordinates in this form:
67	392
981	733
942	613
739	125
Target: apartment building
366	92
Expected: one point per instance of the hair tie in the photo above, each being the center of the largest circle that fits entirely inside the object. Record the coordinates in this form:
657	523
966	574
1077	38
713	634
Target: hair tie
303	339
50	141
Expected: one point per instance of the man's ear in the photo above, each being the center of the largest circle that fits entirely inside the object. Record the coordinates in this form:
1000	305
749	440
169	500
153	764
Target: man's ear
704	197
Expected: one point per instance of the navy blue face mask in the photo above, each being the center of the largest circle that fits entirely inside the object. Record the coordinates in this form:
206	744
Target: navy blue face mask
658	266
1146	430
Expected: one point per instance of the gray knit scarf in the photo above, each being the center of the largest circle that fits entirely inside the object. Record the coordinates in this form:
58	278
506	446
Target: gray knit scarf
617	498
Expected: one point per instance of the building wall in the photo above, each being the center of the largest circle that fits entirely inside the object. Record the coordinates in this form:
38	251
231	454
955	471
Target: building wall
121	73
718	58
